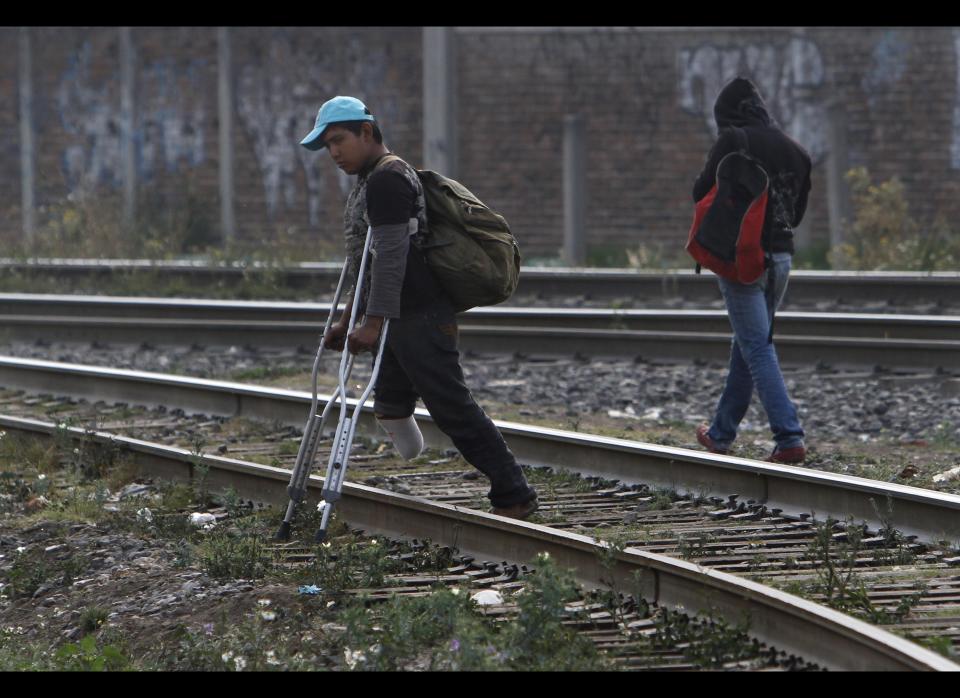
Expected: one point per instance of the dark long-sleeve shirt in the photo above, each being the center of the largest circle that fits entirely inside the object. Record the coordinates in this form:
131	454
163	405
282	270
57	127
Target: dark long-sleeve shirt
389	198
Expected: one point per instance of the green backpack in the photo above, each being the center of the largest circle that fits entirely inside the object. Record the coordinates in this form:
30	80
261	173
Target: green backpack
469	247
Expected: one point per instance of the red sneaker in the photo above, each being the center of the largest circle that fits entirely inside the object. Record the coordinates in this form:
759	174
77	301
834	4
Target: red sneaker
788	456
707	442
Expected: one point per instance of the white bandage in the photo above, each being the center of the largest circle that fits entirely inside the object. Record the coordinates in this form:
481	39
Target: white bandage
405	434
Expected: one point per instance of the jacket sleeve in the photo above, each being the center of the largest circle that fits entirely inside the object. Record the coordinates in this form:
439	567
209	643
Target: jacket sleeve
390	199
726	143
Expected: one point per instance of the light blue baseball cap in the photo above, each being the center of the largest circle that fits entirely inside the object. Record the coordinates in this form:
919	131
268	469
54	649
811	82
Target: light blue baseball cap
334	110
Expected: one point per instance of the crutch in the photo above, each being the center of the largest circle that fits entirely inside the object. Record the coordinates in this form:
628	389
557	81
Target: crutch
343	437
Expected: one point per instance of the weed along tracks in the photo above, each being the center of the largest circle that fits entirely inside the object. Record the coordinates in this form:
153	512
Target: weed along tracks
362	602
691	544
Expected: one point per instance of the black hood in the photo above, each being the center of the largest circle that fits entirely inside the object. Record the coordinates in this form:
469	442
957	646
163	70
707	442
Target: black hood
740	104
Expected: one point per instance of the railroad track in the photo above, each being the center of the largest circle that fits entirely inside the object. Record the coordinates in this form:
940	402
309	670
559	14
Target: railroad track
843	339
895	288
743	534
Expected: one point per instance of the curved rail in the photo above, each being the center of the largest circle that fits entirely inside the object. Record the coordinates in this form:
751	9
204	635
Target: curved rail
779	619
932	516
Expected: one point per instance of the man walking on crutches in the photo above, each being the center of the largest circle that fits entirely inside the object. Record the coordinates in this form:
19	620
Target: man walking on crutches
420	356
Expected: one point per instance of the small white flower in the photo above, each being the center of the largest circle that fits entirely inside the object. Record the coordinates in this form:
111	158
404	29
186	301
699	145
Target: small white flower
240	663
76	451
226	656
330	603
455	591
20	549
41	476
325	545
272	659
353	658
268	616
263	602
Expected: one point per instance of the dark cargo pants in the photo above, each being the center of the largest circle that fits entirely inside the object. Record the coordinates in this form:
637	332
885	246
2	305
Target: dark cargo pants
421	359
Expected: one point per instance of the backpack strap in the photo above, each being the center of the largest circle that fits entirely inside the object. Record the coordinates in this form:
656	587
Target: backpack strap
386	160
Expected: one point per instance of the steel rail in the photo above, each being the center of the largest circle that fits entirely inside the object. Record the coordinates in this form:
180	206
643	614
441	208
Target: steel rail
557	342
899	341
930	515
876	325
854	286
779	619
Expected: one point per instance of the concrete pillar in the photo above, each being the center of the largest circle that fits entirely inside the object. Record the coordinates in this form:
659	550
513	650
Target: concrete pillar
574	191
127	78
225	106
27	180
837	165
440	101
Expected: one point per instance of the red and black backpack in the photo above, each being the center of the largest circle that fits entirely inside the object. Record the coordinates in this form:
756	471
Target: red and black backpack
728	222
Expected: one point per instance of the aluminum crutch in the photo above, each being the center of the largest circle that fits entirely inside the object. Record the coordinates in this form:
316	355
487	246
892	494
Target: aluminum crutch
313	430
343	441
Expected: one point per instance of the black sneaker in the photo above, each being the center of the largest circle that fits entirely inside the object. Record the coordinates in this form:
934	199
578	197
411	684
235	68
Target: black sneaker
517	511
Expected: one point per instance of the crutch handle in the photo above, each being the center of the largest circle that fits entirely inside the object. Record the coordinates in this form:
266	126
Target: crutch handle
335	337
364	338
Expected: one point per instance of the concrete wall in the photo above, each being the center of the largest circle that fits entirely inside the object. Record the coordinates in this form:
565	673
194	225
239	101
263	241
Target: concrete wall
646	96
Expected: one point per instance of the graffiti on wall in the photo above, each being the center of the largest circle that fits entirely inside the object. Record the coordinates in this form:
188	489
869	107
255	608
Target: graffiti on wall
277	103
89	113
168	125
788	76
887	66
169	129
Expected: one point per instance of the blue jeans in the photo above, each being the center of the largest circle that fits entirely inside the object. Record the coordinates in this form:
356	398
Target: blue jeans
753	360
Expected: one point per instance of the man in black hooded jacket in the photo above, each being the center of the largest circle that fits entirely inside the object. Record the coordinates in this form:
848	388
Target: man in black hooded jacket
751	307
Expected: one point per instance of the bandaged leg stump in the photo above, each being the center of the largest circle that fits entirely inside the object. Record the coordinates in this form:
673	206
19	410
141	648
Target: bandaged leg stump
405	434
